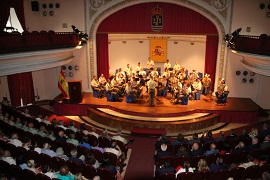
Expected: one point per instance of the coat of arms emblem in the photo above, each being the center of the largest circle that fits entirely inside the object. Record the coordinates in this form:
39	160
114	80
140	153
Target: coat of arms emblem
157	18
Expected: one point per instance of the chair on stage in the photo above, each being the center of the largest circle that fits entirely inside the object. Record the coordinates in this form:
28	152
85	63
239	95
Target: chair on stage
130	99
110	97
223	98
197	95
164	92
185	100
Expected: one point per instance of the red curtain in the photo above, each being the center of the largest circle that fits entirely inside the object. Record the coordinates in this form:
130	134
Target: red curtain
176	19
21	86
211	57
4	13
102	55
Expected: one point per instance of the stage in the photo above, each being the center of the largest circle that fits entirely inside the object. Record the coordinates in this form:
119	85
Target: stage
196	114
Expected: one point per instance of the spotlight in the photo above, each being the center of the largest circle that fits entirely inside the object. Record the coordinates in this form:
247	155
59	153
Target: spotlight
83	37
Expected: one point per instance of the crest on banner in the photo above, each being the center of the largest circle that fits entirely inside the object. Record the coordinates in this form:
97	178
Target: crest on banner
158	49
157	18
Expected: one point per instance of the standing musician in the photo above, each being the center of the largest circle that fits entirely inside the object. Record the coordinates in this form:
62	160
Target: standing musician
206	82
96	86
222	87
151	87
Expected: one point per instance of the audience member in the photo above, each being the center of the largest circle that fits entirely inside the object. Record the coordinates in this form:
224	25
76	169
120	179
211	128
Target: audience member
202	166
71	139
72	126
115	149
106	163
251	162
74	157
51	134
32	166
264	131
119	137
64	174
266	143
15	140
47	150
232	135
165	168
266	175
207	137
212	150
45	169
180	139
195	150
240	147
221	137
34	147
42	131
18	123
84	142
61	137
61	154
61	125
31	128
21	162
253	132
7	157
26	142
244	134
93	132
90	159
161	140
254	144
195	138
182	151
185	168
219	165
161	152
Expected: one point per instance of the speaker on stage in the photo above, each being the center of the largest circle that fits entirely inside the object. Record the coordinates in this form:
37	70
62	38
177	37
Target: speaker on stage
75	91
34	5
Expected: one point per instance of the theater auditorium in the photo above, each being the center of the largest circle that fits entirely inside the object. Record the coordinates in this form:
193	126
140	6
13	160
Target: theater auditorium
133	89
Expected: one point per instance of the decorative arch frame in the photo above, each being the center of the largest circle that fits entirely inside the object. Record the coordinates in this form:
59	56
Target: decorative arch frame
107	7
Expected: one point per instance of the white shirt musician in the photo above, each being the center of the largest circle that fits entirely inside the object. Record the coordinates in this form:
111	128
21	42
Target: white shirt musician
150	64
102	80
176	68
151	87
138	68
167	74
155	73
167	65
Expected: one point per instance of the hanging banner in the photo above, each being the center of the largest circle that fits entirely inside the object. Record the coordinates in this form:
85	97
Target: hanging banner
158	49
157	19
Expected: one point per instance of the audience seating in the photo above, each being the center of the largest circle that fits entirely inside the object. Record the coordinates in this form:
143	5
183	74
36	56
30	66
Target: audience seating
211	158
202	175
166	176
220	175
185	175
28	174
104	142
98	155
88	171
74	167
251	172
106	174
237	172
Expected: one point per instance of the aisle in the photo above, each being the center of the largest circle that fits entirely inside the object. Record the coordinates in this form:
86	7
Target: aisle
141	163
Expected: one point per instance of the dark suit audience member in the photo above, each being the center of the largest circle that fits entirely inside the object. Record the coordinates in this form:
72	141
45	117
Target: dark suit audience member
207	137
182	151
240	147
162	140
264	131
195	138
212	150
266	143
232	135
165	168
221	137
219	165
254	144
195	150
162	153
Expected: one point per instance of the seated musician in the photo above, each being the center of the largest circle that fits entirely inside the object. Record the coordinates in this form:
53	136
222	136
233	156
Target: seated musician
118	83
176	90
102	80
96	86
131	91
138	68
206	82
163	84
112	90
155	73
193	76
196	87
130	74
172	82
182	75
167	65
176	68
142	72
167	74
221	90
150	64
135	86
185	92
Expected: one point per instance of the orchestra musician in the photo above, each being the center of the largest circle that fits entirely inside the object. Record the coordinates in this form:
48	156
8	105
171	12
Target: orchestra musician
110	89
176	68
151	87
221	89
176	90
131	91
196	87
167	65
138	68
185	92
141	72
155	73
102	81
162	84
150	64
172	82
167	74
96	86
206	82
182	74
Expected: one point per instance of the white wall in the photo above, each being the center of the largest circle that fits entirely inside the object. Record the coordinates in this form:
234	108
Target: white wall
248	15
190	56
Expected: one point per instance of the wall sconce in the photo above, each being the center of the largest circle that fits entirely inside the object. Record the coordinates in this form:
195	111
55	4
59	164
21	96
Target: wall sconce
124	42
109	42
141	41
76	68
64	67
244	80
192	43
251	80
70	67
238	73
175	42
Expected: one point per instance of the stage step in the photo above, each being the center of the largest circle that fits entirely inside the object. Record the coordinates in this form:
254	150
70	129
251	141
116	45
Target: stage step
172	126
147	131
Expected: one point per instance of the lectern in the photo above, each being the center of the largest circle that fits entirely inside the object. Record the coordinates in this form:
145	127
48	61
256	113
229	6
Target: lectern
75	91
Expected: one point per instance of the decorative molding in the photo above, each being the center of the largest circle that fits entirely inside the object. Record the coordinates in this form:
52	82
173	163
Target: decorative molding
199	8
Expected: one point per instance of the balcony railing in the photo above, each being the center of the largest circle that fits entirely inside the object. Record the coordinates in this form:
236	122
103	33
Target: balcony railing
253	44
26	41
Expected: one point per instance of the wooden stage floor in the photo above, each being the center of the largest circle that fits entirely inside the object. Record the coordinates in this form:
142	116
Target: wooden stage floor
244	106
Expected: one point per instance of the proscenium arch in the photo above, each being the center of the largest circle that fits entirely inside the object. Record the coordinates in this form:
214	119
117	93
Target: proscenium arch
108	10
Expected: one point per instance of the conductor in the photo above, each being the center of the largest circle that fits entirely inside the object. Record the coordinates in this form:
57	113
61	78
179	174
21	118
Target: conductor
151	87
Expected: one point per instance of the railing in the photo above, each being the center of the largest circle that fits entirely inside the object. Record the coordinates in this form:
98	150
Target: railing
253	44
26	41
